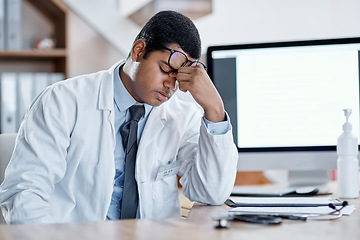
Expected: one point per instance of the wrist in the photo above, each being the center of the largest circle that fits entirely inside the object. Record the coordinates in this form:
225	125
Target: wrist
215	115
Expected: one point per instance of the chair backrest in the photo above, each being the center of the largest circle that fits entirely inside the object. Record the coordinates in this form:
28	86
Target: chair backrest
7	143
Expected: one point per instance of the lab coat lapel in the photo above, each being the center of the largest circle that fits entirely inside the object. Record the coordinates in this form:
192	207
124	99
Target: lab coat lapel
106	95
106	91
153	126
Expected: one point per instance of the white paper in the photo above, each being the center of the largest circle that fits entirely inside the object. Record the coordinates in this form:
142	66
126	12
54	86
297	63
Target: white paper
285	201
348	210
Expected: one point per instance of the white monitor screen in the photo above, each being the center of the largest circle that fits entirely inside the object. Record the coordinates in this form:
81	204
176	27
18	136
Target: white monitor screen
288	94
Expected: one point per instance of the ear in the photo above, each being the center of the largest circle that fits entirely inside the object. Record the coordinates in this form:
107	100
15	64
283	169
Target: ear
138	50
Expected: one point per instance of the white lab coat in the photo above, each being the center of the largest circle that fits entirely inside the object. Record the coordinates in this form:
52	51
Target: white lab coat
62	169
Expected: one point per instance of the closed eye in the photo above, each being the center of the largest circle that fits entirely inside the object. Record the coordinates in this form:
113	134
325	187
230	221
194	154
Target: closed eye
165	72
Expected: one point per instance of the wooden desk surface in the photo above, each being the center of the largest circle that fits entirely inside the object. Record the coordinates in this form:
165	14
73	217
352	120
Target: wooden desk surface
197	226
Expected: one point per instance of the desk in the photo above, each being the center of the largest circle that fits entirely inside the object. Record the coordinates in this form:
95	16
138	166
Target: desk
197	226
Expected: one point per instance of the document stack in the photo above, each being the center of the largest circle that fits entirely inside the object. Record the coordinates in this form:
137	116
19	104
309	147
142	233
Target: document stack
10	25
17	90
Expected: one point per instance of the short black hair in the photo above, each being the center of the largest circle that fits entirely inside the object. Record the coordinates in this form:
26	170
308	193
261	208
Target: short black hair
168	27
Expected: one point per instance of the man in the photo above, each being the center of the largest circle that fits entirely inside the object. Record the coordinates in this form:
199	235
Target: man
70	160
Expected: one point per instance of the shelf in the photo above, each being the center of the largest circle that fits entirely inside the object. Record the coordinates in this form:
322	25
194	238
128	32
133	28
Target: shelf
40	19
54	14
55	11
33	54
54	57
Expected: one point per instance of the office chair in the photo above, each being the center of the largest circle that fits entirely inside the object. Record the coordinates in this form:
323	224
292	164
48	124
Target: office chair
7	143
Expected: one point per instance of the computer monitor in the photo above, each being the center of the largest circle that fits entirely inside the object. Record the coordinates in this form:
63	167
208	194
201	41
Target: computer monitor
286	101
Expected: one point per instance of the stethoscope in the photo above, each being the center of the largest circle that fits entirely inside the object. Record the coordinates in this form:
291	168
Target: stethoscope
273	219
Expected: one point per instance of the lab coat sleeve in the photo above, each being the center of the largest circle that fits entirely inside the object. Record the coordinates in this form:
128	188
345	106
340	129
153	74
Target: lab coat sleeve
209	164
38	161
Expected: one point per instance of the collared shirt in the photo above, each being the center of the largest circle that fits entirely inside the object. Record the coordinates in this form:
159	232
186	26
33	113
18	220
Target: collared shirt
122	102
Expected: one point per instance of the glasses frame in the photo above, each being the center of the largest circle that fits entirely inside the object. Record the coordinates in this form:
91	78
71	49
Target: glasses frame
172	51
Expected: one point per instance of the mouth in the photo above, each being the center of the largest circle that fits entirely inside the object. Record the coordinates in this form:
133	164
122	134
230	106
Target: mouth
162	96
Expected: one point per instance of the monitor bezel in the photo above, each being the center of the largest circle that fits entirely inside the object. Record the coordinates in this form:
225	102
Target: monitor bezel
316	42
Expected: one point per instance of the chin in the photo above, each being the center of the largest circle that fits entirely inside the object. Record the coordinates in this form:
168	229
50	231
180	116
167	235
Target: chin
157	103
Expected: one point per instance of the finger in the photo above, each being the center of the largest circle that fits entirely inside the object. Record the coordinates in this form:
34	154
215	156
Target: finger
183	77
188	73
190	69
186	69
184	86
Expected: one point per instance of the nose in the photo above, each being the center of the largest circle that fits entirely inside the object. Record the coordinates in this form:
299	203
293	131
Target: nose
170	82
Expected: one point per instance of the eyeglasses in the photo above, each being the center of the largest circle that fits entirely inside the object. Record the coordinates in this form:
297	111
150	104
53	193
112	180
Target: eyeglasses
271	219
178	59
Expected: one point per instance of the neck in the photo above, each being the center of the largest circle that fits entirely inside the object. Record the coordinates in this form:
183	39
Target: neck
126	74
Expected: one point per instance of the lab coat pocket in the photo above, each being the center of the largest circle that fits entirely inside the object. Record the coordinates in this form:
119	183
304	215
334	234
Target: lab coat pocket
168	170
165	184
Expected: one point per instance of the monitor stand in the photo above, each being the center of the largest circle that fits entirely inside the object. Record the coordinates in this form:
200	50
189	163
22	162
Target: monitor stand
309	178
